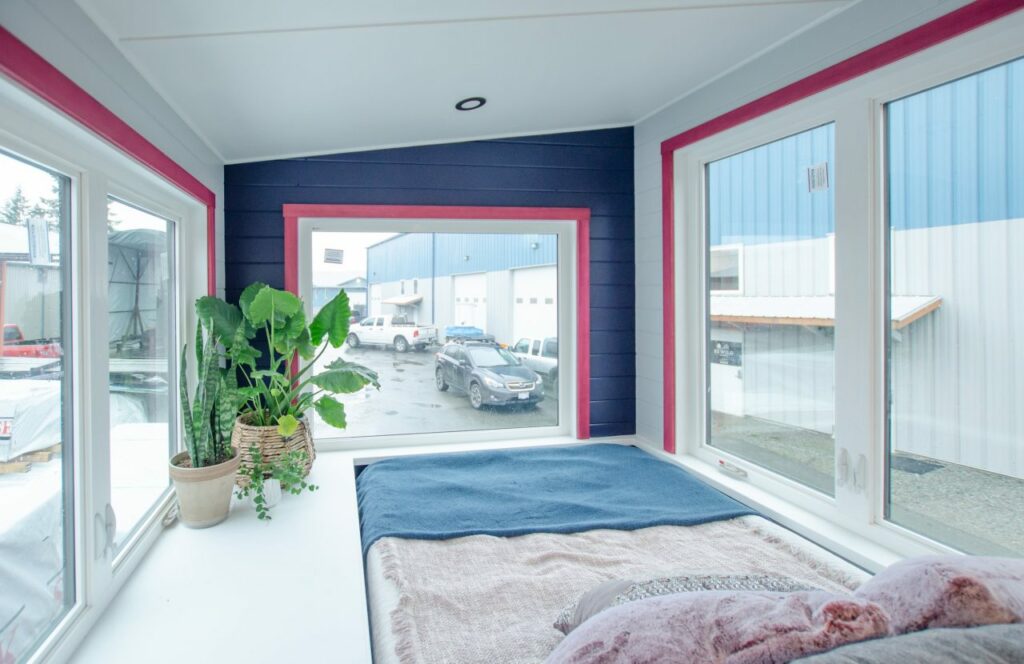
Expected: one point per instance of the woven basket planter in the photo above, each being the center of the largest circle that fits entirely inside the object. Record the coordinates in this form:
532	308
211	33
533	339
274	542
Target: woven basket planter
271	444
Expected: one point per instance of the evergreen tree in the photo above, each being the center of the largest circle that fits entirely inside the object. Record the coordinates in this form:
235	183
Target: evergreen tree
48	208
15	210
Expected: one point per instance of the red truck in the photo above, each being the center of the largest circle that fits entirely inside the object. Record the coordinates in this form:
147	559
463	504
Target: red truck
15	344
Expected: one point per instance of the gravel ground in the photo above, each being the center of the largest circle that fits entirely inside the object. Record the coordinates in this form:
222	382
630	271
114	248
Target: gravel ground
973	510
409	402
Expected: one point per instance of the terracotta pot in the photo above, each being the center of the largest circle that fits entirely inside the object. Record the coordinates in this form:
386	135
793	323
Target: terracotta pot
204	494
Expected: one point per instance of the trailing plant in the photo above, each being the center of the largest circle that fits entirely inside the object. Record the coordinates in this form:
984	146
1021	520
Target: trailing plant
208	418
288	470
276	392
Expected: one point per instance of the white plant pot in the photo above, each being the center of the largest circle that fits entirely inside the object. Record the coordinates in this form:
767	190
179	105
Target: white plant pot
204	494
271	492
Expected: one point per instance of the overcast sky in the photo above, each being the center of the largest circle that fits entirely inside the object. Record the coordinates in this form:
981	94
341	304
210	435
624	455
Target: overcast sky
353	244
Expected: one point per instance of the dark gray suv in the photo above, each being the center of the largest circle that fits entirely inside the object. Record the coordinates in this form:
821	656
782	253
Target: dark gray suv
488	374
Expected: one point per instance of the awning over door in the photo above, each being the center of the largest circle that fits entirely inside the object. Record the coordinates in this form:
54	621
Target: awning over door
403	300
817	311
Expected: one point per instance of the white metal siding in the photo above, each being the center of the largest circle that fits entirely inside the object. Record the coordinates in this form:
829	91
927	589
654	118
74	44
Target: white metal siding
535	303
499	305
958	373
470	300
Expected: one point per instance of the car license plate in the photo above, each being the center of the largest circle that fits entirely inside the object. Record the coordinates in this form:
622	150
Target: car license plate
524	395
6	424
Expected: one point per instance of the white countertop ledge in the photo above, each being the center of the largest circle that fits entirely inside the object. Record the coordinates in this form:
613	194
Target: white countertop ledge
288	590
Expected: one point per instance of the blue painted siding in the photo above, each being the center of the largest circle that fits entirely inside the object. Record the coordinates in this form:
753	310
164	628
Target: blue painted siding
583	169
761	195
956	154
411	256
957	151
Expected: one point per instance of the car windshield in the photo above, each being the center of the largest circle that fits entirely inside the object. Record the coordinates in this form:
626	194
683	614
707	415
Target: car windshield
491	356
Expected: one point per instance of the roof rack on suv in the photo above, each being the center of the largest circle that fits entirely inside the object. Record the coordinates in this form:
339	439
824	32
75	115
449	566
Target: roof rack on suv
487	339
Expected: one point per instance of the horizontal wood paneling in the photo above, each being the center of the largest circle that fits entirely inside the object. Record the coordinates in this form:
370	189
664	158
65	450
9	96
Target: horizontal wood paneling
591	169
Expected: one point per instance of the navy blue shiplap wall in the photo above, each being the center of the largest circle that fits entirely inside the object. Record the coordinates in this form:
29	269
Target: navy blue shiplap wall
592	169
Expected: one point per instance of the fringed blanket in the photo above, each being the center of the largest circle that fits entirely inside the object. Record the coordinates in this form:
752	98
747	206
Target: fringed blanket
491	599
533	490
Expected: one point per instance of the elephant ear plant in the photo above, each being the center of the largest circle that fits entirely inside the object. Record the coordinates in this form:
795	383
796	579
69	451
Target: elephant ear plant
276	392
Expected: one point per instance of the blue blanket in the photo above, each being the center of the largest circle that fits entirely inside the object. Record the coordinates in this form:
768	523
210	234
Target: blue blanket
516	492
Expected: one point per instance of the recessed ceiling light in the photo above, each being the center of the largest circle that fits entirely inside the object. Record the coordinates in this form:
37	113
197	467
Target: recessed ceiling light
470	104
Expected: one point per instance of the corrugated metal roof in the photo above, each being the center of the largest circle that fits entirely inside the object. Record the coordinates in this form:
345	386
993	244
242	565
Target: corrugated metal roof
819	311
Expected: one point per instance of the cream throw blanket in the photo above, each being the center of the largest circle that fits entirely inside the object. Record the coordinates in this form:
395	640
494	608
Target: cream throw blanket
491	599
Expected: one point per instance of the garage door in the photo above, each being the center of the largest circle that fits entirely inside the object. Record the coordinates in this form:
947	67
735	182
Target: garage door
470	293
535	302
375	301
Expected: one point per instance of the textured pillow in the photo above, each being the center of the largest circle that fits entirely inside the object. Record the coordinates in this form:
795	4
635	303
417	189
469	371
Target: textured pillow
726	627
948	591
620	591
1002	644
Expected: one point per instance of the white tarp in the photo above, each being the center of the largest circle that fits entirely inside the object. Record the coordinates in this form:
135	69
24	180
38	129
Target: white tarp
34	410
32	529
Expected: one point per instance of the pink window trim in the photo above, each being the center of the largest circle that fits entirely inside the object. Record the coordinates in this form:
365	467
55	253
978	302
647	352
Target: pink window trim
31	71
581	216
930	34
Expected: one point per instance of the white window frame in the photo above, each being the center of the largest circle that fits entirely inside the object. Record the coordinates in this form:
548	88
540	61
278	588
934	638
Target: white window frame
567	260
97	170
738	248
852	522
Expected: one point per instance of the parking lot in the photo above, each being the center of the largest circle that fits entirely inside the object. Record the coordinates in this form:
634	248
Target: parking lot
409	402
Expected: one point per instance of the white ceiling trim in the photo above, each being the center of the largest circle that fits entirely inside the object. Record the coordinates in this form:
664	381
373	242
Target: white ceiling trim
739	65
438	129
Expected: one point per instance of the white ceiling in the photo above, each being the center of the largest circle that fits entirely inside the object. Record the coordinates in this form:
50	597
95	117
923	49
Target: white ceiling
262	79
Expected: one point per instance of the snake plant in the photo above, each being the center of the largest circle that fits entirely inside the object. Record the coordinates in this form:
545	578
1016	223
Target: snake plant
209	417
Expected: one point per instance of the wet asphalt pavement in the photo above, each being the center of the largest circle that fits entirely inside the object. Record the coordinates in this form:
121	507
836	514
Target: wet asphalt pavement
409	402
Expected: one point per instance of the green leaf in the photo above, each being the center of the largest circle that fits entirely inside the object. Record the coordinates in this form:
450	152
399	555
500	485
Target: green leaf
245	299
186	410
240	350
343	377
367	375
306	350
332	320
295	325
331	411
287	424
272	305
228	401
222	317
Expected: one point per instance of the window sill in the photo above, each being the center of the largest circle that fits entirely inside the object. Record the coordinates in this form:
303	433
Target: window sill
859	548
293	576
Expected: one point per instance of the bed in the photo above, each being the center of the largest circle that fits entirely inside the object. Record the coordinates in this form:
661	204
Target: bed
470	557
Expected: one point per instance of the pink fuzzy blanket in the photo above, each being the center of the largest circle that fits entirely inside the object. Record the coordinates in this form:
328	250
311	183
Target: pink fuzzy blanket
726	627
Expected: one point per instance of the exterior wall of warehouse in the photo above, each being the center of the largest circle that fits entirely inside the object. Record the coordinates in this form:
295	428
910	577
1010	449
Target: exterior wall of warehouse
957	232
413	257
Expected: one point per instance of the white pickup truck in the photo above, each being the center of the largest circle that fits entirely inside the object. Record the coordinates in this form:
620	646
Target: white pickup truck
541	355
397	331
